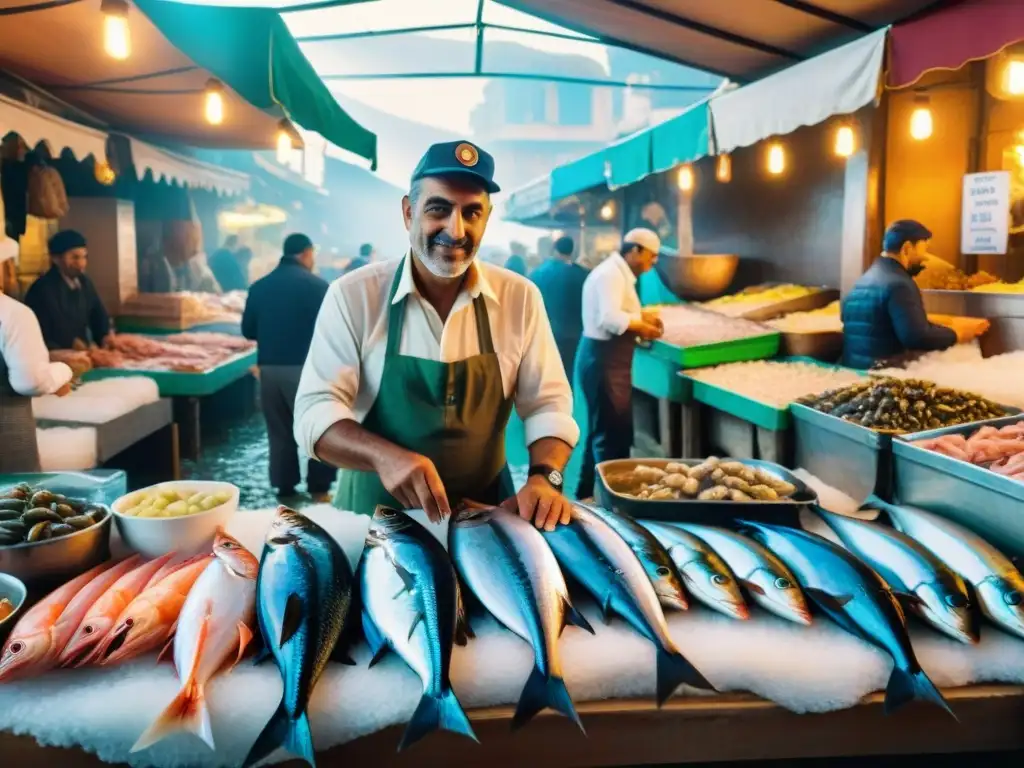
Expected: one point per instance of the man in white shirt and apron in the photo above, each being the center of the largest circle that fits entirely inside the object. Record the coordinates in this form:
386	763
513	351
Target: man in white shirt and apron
416	364
612	322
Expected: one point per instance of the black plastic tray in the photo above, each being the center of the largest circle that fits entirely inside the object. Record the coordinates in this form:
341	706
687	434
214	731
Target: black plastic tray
783	512
988	503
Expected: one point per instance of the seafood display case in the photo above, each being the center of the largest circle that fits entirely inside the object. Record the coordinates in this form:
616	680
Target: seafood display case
723	512
986	502
182	384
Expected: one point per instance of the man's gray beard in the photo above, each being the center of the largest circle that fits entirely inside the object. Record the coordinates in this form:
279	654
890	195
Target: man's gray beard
441	268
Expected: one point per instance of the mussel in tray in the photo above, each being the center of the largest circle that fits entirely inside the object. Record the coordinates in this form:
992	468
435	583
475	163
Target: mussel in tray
29	515
903	405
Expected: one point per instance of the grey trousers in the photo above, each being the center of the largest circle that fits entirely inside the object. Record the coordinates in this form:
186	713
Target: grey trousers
278	387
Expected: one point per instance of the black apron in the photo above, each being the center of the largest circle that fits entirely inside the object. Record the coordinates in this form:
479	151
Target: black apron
604	371
19	451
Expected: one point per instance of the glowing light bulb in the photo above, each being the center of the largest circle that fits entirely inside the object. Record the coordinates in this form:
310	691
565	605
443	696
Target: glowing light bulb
846	142
723	171
776	159
214	102
1015	78
921	119
608	211
117	39
685	178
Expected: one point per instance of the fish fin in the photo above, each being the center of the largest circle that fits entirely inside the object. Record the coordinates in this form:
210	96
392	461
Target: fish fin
264	654
244	638
674	669
752	588
341	653
571	616
283	731
374	639
607	612
834	602
168	647
408	581
417	620
291	619
442	712
905	686
463	631
541	692
188	712
907	598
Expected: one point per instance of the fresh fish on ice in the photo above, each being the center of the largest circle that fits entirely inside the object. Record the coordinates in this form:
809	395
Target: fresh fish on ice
39	636
506	563
149	620
303	595
998	585
100	618
925	584
766	579
214	628
705	574
662	572
596	556
411	605
855	598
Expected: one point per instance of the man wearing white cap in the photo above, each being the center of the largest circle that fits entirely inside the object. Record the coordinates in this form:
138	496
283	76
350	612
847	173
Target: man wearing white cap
25	372
612	321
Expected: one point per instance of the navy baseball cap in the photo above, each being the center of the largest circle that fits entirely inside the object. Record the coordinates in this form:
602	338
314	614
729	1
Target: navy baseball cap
458	158
904	231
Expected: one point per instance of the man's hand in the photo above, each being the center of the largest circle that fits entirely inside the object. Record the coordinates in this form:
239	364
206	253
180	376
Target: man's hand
540	502
649	331
413	480
64	391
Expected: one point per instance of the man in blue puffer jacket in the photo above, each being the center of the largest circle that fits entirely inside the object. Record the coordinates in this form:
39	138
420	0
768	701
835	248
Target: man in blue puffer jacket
884	316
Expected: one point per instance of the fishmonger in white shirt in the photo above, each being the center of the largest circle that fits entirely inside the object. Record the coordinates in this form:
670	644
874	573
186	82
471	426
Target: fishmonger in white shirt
416	365
612	321
25	372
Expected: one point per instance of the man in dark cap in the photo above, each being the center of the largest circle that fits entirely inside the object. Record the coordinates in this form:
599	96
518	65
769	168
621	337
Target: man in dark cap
883	316
366	256
560	281
416	364
280	313
65	300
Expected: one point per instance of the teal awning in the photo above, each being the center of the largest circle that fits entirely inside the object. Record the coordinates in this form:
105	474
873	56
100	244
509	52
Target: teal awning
683	139
584	173
629	160
253	53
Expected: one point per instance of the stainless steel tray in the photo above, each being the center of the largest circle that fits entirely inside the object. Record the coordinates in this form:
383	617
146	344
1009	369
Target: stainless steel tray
988	503
782	512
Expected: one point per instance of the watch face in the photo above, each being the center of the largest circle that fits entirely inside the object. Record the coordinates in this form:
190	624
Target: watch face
555	478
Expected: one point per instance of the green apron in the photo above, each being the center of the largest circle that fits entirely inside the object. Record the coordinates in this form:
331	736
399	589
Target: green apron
455	414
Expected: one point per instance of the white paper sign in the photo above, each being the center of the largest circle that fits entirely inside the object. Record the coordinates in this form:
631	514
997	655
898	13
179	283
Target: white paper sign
985	219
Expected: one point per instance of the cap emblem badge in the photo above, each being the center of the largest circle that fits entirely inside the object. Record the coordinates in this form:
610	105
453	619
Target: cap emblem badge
467	155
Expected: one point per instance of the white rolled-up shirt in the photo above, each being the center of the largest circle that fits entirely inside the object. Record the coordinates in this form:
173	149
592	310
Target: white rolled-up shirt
24	352
610	300
342	374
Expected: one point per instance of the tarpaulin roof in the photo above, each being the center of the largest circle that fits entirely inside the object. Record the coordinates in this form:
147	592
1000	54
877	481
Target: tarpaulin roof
952	36
739	39
176	48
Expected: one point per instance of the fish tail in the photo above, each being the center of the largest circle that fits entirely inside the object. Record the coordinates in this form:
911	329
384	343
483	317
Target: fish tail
188	712
283	731
905	686
542	691
674	669
441	712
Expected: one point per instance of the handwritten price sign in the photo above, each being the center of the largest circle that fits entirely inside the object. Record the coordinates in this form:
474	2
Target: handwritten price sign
985	219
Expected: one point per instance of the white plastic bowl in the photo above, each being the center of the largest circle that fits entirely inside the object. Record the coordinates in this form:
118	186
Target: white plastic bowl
187	535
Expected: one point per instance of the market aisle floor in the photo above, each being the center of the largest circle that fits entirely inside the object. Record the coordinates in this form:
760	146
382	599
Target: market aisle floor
237	453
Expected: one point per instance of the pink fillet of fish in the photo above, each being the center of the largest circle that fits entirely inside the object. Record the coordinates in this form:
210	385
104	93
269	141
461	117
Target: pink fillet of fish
31	648
150	620
100	617
214	629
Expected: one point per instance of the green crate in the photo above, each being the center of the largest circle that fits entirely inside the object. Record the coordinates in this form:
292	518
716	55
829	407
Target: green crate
179	384
736	351
660	378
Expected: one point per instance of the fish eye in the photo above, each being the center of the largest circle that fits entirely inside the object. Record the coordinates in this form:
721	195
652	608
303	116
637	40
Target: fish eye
88	629
227	545
719	579
129	622
17	647
662	570
1013	597
956	601
783	583
385	512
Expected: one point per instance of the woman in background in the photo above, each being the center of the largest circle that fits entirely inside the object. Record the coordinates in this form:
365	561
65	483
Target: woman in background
25	372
